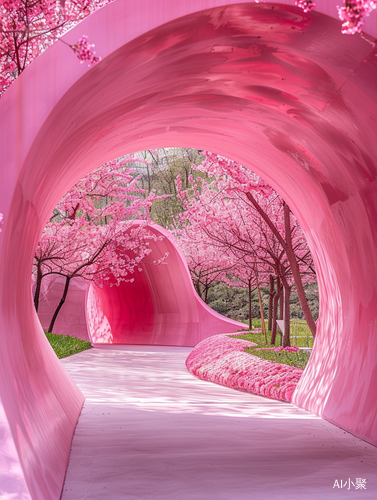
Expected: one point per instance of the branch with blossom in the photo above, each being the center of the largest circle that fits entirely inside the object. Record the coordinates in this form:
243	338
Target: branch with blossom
305	5
234	210
28	27
92	232
353	14
84	51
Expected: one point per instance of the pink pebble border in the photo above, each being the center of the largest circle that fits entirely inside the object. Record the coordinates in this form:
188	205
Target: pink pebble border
222	360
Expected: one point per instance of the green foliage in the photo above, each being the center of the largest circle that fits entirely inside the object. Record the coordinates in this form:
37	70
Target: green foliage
300	333
64	345
160	176
298	359
311	292
233	302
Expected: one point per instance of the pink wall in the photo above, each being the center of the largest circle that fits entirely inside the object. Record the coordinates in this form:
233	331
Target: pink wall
281	92
160	307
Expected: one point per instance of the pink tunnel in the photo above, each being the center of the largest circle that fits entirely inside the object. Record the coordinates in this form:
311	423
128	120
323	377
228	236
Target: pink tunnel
159	307
278	90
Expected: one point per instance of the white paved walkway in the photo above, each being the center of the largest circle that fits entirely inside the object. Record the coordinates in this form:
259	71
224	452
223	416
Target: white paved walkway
151	431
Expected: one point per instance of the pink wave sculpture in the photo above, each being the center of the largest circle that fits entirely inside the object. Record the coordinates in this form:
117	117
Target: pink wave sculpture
223	360
159	307
276	89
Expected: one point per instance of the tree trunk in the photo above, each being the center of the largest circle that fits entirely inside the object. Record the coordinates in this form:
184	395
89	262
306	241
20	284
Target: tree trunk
296	272
250	318
206	294
149	180
288	248
281	304
60	305
37	291
270	301
287	316
261	312
197	288
275	310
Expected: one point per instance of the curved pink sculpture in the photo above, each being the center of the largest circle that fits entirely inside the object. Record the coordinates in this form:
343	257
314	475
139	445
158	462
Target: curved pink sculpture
159	307
278	90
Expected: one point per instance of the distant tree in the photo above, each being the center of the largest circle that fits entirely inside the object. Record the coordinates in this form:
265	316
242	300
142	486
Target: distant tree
91	233
206	263
240	213
159	169
247	272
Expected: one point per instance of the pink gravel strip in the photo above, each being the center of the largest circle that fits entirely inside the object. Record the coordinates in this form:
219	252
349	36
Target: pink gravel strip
223	360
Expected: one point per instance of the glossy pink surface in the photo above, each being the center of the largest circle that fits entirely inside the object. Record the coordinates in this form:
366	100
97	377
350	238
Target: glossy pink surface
160	307
280	91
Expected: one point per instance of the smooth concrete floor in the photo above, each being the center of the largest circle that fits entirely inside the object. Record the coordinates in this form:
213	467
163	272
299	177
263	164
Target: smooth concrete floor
150	430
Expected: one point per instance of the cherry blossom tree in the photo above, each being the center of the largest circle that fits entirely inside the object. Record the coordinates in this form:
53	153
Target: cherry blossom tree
248	272
275	213
207	263
98	253
28	27
91	233
242	215
159	168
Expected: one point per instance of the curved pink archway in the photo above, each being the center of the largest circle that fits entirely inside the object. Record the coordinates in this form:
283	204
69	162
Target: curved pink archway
280	91
159	307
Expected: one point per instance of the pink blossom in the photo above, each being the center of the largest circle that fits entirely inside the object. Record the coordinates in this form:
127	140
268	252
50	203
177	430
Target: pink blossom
92	234
305	5
241	222
84	51
353	14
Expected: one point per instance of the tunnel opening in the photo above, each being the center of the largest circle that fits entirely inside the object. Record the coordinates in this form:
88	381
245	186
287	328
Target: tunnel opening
156	303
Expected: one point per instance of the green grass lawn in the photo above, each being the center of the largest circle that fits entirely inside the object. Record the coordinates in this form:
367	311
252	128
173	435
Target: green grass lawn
64	345
298	359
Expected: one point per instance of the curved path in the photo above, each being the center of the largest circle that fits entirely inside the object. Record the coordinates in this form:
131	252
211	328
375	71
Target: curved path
149	430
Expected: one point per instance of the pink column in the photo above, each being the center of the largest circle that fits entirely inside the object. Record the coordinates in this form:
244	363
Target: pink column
280	91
